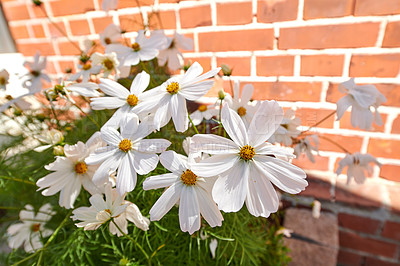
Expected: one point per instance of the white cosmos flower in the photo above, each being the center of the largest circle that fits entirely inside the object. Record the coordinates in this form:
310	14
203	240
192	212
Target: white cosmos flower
71	173
128	152
52	137
307	145
101	211
362	99
86	71
126	101
287	129
109	62
357	164
171	53
242	104
30	231
247	164
143	49
4	77
203	112
36	73
110	35
192	192
171	96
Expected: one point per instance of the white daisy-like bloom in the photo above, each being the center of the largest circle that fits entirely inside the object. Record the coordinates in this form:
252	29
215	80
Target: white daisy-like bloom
143	49
71	172
357	164
203	112
4	77
101	211
127	101
242	104
53	137
36	73
108	5
30	231
127	152
171	53
86	71
307	145
287	129
171	96
109	63
111	34
62	90
247	165
183	186
362	99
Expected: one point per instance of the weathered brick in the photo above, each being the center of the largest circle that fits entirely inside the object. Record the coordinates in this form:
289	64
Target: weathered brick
19	32
358	223
369	245
329	36
69	7
67	48
38	31
347	258
39	11
391	230
240	65
345	122
352	144
16	12
29	49
327	8
396	125
162	20
101	23
392	36
64	65
382	65
131	23
194	17
205	62
321	163
56	29
317	188
276	10
373	7
394	196
309	117
384	148
369	261
322	65
79	27
390	172
281	65
240	40
51	67
232	13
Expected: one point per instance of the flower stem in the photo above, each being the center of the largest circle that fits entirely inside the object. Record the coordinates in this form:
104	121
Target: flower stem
220	122
88	116
319	122
194	127
335	143
18	180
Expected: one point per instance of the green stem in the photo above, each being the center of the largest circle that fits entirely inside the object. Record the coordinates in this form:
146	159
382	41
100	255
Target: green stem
220	122
54	113
194	127
88	116
18	180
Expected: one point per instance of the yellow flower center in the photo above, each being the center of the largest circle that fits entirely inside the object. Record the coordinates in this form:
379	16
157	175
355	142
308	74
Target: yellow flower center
247	152
87	66
125	145
9	97
35	227
241	111
203	108
188	178
2	81
107	63
107	40
80	168
132	100
173	87
136	47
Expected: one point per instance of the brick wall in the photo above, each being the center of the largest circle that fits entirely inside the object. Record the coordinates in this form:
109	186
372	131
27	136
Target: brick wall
294	51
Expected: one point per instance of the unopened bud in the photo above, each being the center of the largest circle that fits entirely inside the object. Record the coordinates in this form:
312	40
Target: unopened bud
226	70
58	150
221	95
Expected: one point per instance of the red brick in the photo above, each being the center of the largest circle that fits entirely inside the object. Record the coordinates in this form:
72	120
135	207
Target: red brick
133	3
38	31
392	36
51	67
321	163
18	12
240	65
358	223
194	17
384	148
287	91
30	49
130	23
317	188
19	32
369	245
394	196
282	65
276	10
346	258
369	261
69	7
38	12
390	172
79	27
396	125
261	39
327	8
391	230
322	65
101	23
232	13
382	65
67	64
367	195
329	36
309	117
373	7
57	31
345	122
162	20
205	62
352	144
67	48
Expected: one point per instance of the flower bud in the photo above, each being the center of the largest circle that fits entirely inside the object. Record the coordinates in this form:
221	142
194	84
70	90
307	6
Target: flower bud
58	150
221	95
226	70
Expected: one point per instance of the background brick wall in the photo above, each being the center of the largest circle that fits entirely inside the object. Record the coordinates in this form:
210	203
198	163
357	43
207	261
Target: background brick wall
294	51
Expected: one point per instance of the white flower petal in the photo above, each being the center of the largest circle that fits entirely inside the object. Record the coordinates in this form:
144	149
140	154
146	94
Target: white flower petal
195	91
98	202
144	163
213	144
111	136
152	145
69	193
174	162
107	103
129	125
160	181
126	176
247	93
208	208
215	165
189	210
166	201
234	126
343	104
113	88
140	83
179	112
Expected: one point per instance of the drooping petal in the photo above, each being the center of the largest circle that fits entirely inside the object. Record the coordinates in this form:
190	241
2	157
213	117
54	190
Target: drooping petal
126	176
69	194
189	210
343	104
179	112
166	201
